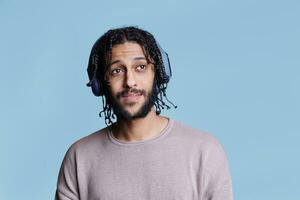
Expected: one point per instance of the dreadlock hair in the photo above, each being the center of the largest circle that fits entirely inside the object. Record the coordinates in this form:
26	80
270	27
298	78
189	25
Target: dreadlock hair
103	48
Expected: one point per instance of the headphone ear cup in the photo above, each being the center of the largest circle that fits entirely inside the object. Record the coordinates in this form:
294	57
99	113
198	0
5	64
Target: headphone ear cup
166	68
96	87
92	70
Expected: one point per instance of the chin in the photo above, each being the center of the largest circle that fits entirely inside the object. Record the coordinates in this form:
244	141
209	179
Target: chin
133	110
134	113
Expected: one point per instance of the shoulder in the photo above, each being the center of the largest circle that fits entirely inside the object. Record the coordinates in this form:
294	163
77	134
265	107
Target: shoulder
195	135
207	144
88	143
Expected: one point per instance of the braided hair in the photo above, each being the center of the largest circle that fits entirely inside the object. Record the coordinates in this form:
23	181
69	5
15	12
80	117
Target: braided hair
103	48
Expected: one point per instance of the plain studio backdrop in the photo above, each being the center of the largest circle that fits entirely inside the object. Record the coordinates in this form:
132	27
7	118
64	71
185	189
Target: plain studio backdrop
236	74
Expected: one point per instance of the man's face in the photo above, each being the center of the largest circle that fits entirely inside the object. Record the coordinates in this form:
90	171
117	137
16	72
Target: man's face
131	81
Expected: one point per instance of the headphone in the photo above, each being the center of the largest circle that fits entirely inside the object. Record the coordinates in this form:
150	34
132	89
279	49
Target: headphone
165	73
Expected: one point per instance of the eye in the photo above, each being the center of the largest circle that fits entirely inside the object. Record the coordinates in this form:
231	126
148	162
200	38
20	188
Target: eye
116	71
141	67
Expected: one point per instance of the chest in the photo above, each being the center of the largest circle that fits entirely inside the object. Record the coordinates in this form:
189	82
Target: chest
133	174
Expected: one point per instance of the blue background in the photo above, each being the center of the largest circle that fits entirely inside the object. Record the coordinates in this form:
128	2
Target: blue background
236	75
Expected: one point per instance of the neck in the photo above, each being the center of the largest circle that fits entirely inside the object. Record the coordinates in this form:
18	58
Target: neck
140	129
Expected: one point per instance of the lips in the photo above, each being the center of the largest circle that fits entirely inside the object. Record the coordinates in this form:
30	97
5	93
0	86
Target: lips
130	94
130	97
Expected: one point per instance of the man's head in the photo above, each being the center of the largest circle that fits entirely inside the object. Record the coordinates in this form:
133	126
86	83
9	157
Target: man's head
131	72
131	80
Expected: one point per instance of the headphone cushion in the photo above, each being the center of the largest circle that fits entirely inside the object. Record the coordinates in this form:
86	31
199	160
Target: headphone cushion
96	87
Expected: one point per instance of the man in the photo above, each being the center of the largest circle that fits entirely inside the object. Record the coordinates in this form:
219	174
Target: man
142	155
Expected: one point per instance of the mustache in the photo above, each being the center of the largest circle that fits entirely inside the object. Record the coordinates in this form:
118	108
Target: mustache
133	90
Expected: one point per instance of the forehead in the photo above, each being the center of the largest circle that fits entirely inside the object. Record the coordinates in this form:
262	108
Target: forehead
127	50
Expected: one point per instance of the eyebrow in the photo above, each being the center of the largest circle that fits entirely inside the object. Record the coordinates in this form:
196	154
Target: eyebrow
136	58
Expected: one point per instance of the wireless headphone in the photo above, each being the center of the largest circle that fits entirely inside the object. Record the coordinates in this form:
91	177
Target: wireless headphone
164	74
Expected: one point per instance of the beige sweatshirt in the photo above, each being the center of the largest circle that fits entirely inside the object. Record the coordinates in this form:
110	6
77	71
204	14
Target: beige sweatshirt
181	163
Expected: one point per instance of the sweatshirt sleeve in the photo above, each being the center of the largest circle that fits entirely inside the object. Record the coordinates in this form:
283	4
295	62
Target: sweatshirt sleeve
217	179
67	183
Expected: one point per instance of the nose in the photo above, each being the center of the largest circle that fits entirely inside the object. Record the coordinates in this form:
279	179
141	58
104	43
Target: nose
130	81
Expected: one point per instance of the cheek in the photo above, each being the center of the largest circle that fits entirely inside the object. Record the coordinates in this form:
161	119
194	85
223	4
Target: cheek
116	86
113	90
147	79
150	82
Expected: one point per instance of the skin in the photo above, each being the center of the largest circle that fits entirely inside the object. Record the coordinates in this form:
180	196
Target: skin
130	72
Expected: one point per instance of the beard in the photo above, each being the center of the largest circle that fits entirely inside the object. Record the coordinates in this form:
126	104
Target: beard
142	112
